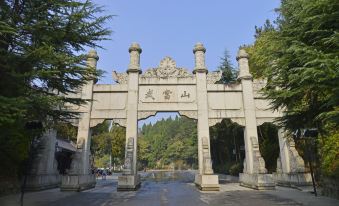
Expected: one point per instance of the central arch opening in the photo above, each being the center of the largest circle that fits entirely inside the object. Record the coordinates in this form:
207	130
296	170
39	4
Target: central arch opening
167	146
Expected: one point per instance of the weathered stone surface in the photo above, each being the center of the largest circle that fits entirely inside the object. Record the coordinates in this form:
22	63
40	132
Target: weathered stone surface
290	166
293	179
128	182
77	182
257	181
207	182
171	88
44	173
43	181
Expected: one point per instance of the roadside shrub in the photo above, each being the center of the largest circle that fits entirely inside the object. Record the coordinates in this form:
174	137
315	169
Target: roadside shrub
222	168
236	169
330	155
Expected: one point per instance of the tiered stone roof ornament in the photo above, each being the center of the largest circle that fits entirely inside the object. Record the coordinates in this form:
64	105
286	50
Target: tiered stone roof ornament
167	69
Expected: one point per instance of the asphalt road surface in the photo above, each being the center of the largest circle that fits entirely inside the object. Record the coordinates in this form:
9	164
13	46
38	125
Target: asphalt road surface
170	189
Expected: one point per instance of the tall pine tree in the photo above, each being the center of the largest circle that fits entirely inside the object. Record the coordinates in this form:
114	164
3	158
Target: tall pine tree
42	50
229	73
300	60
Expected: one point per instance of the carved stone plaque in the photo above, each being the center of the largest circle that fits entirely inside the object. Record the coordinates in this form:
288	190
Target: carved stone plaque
166	94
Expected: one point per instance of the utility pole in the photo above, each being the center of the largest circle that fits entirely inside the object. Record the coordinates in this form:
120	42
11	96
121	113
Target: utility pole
110	161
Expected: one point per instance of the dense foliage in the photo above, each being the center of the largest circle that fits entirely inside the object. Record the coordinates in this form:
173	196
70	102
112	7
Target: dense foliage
299	57
229	72
42	45
108	142
330	155
169	144
227	146
269	145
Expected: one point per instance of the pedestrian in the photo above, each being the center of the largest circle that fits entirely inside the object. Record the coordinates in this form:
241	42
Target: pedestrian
104	174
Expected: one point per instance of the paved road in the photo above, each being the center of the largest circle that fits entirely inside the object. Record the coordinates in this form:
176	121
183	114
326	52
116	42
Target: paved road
170	190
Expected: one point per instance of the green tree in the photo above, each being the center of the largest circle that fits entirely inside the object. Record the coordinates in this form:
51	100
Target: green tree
300	61
229	73
226	137
108	140
66	131
330	155
168	141
261	51
299	58
42	48
118	144
269	145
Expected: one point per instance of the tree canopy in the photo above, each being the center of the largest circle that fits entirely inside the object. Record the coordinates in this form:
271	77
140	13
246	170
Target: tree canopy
229	72
42	57
168	142
299	56
108	140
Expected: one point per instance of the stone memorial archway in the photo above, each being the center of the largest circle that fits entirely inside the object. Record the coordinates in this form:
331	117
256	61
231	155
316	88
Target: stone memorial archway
196	95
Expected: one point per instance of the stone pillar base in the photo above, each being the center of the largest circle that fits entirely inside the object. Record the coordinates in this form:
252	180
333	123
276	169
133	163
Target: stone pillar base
42	182
257	181
207	182
128	182
293	179
77	182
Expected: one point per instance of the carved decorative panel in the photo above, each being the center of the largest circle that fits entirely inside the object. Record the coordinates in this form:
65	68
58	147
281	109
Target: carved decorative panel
213	77
106	101
240	121
212	122
167	69
95	122
121	78
261	121
189	114
120	122
258	84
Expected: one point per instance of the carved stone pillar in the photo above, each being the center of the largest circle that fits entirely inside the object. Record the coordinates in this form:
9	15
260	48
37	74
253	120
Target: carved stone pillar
205	180
81	177
130	180
290	165
44	173
254	174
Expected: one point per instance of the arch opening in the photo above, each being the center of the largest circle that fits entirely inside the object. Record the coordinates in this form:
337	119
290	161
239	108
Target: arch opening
227	147
167	141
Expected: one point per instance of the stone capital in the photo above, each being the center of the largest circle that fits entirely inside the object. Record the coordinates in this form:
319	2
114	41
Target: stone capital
135	47
244	72
134	65
199	47
200	70
92	54
245	77
134	70
199	55
242	54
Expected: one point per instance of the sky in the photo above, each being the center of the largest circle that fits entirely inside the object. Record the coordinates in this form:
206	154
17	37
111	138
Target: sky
172	28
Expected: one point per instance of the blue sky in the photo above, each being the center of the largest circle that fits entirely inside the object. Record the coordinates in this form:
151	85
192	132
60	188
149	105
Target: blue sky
171	28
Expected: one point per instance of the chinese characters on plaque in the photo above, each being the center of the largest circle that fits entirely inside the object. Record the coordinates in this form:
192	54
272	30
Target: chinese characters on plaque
167	94
185	94
149	94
